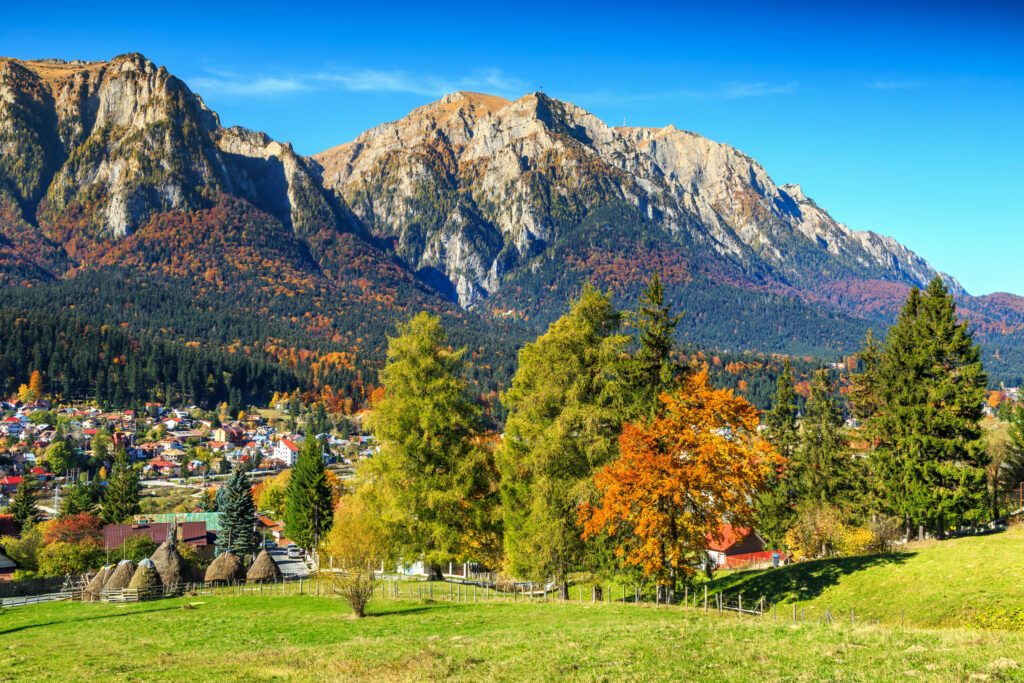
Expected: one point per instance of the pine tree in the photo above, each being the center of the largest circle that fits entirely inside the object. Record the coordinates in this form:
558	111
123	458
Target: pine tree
865	394
931	457
822	462
23	503
237	516
564	421
433	484
650	371
121	500
77	499
775	509
307	511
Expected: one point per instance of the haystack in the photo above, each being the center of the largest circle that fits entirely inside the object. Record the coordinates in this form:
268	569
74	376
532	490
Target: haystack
120	577
173	570
146	580
95	586
264	569
227	567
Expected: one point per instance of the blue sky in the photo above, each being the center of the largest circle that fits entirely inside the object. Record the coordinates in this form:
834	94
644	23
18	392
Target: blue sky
901	119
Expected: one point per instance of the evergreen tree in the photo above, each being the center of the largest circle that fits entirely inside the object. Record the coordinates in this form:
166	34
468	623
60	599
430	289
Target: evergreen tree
823	466
775	508
650	371
77	498
865	394
563	424
121	500
238	517
931	457
23	503
433	484
307	511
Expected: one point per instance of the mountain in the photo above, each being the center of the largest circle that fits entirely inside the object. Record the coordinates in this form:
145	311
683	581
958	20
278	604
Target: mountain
124	202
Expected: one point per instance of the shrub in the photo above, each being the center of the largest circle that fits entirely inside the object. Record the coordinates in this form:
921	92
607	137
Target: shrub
24	550
356	546
61	558
136	548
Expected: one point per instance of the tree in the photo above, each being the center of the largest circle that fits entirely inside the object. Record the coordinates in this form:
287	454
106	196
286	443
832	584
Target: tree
272	494
822	463
121	500
135	548
865	392
23	503
238	516
678	478
64	558
563	424
35	384
931	456
73	528
61	457
776	503
357	545
78	498
650	370
307	511
431	483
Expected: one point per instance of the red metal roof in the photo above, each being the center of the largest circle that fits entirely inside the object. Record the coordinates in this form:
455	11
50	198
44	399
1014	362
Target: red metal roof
729	536
10	481
114	535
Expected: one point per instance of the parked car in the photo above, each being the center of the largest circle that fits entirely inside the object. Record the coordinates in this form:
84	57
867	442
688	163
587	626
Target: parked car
294	552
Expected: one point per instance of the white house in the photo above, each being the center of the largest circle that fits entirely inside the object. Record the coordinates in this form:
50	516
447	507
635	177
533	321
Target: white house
286	451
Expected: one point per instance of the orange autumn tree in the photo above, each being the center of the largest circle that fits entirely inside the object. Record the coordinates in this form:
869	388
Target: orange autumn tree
678	477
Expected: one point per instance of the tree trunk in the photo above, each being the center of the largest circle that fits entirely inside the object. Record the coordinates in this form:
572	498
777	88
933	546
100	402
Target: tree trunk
563	590
434	572
920	532
598	594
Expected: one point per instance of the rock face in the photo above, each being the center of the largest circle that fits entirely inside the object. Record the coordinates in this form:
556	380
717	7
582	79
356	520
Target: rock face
91	150
473	186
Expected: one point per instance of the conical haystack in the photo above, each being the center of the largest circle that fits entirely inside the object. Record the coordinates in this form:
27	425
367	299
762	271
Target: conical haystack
173	570
120	577
146	580
263	569
227	567
95	586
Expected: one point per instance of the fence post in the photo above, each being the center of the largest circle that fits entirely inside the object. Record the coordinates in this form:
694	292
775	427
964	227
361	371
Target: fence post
705	597
740	612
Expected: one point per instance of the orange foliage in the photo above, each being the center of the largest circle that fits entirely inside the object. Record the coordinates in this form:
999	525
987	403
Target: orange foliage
678	478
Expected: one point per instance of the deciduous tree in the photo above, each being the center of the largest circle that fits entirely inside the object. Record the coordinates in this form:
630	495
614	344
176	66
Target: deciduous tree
678	478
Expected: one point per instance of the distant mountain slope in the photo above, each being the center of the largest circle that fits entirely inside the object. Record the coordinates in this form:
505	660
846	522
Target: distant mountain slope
116	182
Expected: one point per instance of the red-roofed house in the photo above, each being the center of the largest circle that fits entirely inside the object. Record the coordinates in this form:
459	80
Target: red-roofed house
287	451
737	547
8	484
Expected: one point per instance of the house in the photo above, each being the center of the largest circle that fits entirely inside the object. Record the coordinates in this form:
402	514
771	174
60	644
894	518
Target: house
192	533
738	546
9	484
287	451
8	526
7	566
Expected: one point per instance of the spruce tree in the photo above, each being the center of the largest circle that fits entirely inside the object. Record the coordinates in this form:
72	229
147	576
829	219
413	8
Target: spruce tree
121	500
822	460
237	517
931	457
307	510
865	393
563	423
650	370
775	508
77	498
23	503
433	484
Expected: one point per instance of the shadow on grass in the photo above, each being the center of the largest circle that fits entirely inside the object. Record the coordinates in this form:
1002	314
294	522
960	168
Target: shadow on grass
98	617
804	580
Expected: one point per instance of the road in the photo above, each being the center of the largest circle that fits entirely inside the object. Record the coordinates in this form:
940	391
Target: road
290	568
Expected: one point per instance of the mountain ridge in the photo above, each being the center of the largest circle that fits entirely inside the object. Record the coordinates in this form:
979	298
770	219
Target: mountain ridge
491	212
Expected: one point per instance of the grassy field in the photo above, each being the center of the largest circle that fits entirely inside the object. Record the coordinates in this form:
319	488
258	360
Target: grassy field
948	583
312	638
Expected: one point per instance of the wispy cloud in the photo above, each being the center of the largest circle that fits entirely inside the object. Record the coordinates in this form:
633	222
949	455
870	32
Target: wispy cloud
894	85
358	80
731	90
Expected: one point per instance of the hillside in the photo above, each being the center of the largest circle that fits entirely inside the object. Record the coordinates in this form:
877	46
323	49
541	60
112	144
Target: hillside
965	581
117	181
247	638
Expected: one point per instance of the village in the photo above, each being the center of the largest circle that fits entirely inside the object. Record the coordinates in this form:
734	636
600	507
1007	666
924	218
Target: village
182	455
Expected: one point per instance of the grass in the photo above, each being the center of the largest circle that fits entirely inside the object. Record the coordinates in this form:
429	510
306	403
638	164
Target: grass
309	638
936	583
